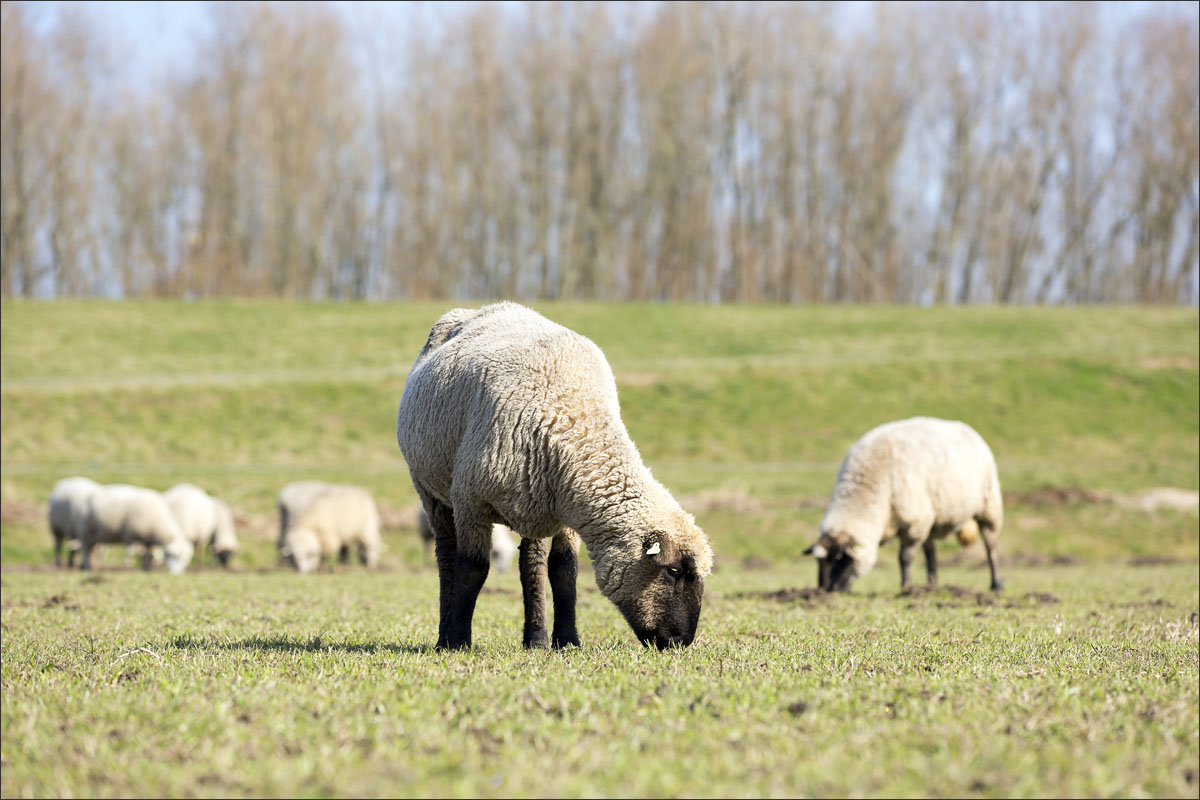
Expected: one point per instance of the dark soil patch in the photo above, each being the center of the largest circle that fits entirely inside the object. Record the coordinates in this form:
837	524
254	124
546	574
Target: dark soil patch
1056	496
809	596
1157	561
1036	560
756	562
958	597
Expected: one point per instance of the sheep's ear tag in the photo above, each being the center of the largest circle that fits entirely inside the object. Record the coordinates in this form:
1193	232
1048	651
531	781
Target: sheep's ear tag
816	551
654	549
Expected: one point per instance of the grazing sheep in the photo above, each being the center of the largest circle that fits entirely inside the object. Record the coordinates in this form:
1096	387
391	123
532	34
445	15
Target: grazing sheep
128	515
921	479
68	512
335	520
504	549
205	520
510	418
293	499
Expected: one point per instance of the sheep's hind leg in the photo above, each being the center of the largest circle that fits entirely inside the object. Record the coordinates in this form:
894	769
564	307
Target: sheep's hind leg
532	565
441	521
473	531
58	546
930	561
991	541
564	572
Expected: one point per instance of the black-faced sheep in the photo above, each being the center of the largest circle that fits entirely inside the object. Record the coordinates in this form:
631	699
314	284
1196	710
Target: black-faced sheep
920	479
509	418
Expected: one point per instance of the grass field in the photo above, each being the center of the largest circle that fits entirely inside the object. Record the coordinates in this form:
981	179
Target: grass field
1082	679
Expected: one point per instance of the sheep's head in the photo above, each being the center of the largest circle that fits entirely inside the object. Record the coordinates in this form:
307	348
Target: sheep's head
177	554
660	587
302	550
836	565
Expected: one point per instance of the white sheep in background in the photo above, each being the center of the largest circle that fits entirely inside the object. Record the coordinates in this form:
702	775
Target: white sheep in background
920	479
129	515
293	499
507	417
205	520
68	513
504	549
337	519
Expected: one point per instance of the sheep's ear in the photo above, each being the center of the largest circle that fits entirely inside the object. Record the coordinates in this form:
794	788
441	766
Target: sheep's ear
816	551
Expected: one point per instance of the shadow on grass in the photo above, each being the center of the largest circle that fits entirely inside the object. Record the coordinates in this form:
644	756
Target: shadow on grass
285	644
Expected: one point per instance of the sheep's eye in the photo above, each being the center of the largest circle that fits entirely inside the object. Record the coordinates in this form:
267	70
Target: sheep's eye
674	572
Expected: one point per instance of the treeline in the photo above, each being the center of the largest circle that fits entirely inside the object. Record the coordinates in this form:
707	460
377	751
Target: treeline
948	153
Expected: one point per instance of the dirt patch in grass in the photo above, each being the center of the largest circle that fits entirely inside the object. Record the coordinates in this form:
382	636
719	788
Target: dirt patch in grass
958	597
808	596
1056	496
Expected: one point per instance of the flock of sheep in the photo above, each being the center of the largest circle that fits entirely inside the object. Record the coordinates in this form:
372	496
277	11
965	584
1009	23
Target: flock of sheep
510	422
318	522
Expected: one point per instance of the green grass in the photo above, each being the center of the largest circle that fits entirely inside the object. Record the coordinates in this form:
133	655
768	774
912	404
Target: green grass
1082	680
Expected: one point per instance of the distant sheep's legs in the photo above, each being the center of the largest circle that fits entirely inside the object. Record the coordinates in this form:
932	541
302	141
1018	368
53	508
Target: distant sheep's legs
563	568
908	551
58	546
991	541
532	565
930	561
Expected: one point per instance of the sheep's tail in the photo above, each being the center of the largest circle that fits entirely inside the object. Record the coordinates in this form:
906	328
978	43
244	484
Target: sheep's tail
446	328
968	534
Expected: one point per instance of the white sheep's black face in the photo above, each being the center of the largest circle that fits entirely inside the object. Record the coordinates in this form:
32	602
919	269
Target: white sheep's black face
177	555
663	595
836	568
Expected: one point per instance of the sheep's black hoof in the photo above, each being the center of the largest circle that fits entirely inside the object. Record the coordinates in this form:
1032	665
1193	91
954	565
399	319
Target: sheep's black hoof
997	586
536	640
566	640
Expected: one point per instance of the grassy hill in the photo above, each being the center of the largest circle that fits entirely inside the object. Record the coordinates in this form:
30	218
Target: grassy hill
747	411
1081	679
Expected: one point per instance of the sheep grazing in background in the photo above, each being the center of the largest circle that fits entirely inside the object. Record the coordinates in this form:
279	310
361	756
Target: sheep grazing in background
504	549
293	499
920	479
509	418
205	520
68	512
131	515
337	519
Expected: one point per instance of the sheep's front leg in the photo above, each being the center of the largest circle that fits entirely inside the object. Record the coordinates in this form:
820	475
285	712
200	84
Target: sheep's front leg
532	565
473	530
564	571
931	561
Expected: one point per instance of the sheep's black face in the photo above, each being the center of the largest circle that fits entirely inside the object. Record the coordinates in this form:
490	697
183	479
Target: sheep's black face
836	570
665	612
223	557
